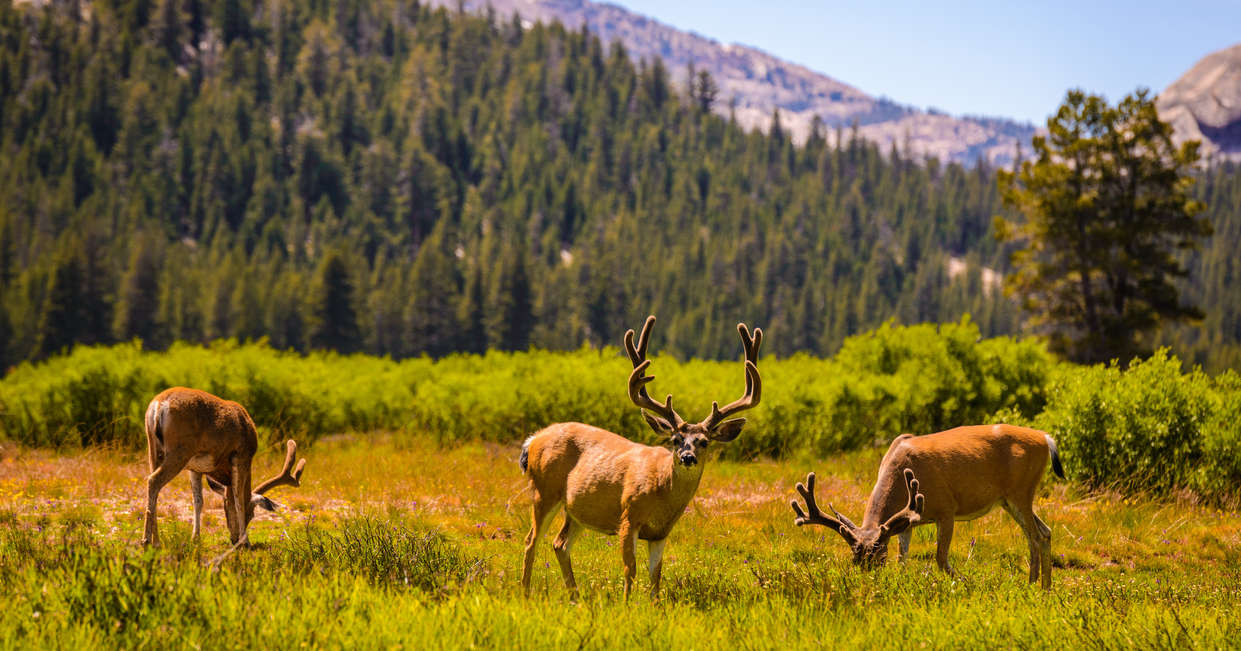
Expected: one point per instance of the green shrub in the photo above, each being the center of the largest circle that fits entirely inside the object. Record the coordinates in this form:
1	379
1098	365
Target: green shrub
897	379
1149	428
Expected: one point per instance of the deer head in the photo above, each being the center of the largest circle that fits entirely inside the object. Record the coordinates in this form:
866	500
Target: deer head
689	439
869	544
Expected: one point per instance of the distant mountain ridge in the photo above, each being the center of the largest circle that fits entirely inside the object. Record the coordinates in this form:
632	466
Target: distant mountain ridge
761	83
1205	104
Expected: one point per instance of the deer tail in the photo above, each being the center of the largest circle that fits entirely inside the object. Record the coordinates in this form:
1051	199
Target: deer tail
524	461
1055	456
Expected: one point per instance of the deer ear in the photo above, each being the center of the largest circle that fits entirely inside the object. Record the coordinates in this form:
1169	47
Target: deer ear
727	430
658	424
263	502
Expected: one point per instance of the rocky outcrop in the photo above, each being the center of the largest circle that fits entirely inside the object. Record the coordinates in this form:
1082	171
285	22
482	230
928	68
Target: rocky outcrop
760	83
1205	104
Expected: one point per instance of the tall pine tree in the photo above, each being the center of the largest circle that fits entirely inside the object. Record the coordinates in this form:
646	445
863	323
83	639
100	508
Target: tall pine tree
335	322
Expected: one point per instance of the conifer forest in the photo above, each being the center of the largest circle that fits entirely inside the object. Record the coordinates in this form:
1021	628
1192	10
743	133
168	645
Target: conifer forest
399	180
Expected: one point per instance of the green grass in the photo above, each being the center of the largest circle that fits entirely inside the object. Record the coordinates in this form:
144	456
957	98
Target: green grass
417	546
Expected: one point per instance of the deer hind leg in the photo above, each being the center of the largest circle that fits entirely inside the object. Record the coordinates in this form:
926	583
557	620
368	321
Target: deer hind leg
240	489
943	539
170	466
1031	541
655	563
562	544
542	513
1038	538
1044	539
629	541
196	492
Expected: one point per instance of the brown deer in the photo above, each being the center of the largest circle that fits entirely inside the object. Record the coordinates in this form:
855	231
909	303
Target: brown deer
188	428
615	486
950	476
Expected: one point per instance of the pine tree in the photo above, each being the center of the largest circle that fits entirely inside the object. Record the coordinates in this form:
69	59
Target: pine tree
61	324
232	17
471	313
8	252
169	25
7	354
1107	210
97	285
435	288
137	309
510	316
334	320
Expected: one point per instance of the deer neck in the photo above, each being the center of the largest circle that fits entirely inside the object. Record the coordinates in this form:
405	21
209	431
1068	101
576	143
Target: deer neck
676	487
886	499
683	482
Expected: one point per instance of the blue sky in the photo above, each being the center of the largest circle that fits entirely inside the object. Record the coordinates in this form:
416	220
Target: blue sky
995	58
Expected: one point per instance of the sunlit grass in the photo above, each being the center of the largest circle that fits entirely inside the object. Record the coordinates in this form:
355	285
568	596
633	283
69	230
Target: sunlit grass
417	546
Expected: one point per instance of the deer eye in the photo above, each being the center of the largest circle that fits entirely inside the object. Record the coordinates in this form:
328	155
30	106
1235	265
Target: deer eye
703	443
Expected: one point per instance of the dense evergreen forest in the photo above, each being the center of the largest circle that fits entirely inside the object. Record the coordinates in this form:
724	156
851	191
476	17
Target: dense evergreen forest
384	177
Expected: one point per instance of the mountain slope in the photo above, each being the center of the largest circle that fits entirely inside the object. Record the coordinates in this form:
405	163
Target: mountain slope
1205	104
761	83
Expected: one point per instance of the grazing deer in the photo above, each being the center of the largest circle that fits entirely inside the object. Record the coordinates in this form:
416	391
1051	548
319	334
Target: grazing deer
947	477
611	484
188	428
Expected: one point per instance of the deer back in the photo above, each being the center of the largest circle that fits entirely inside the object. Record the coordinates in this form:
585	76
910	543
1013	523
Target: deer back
213	428
963	472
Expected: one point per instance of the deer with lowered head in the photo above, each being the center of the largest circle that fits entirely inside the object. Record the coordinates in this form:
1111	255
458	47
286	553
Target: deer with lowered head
615	486
955	475
215	438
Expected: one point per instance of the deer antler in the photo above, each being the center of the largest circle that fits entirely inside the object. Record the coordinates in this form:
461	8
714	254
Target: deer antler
638	378
812	514
753	383
288	475
908	516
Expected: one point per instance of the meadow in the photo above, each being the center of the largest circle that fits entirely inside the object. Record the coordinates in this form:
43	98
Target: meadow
397	541
408	528
1151	428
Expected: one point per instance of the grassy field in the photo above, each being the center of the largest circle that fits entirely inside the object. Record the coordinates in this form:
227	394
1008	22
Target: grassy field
405	544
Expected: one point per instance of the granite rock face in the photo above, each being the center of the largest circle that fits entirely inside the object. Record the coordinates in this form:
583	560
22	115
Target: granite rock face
761	83
1205	104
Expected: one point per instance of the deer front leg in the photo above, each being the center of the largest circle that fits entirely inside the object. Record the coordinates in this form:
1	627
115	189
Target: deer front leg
904	539
230	514
942	540
655	563
629	541
561	545
241	498
196	491
171	465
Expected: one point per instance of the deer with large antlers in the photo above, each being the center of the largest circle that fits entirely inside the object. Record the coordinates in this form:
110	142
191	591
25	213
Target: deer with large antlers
943	478
216	439
612	485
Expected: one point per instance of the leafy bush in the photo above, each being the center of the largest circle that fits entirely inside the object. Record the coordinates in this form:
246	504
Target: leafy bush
897	379
1150	428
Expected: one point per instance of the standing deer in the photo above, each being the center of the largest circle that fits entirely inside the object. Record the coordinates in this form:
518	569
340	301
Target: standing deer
956	475
615	486
188	428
